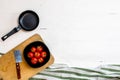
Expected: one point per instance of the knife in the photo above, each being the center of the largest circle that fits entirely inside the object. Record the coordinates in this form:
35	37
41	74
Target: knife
18	59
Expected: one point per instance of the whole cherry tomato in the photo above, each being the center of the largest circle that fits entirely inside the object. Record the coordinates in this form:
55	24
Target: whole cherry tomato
37	54
34	60
30	54
33	49
43	54
39	48
40	60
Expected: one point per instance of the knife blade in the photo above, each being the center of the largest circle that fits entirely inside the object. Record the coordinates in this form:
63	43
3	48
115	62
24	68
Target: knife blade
18	59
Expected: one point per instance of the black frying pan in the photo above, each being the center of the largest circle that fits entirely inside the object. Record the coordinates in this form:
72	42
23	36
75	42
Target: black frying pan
28	20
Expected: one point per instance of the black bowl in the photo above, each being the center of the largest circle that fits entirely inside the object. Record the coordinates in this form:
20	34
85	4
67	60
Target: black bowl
35	44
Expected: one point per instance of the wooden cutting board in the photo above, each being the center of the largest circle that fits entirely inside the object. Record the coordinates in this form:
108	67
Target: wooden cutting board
8	67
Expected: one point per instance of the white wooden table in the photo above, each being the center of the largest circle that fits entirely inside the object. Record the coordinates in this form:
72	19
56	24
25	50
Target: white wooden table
84	33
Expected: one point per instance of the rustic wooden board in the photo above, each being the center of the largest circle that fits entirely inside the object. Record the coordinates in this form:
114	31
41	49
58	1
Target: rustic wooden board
8	67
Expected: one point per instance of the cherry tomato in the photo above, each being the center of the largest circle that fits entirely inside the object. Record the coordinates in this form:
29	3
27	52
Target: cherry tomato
37	54
33	49
30	54
34	60
40	60
39	48
43	54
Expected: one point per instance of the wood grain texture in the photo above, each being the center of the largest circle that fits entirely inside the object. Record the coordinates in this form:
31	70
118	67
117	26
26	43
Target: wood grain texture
8	67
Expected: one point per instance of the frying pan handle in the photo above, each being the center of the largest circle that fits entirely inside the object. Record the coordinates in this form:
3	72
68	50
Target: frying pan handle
16	29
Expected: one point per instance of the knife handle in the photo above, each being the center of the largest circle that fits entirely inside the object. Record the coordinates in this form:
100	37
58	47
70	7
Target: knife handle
18	70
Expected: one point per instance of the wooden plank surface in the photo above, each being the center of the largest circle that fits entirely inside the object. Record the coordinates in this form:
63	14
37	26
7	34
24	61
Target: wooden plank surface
8	67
